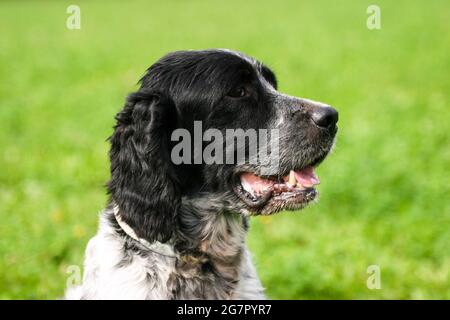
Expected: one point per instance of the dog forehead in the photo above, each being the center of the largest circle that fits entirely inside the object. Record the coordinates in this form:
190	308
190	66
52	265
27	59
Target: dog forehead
201	71
250	60
210	58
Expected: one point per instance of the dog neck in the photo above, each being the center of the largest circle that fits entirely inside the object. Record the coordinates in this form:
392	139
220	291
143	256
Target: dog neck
205	227
156	246
214	233
207	250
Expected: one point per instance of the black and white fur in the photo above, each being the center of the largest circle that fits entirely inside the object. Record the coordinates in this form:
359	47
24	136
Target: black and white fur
192	222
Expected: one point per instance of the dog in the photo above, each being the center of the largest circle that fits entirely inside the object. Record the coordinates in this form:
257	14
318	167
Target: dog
176	230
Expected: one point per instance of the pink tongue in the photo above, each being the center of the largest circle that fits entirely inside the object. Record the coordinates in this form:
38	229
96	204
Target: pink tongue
253	183
307	176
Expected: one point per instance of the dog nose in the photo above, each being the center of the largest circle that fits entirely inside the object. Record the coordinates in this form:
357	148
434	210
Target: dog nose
325	117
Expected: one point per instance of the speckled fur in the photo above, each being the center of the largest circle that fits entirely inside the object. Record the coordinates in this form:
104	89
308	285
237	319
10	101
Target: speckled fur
218	266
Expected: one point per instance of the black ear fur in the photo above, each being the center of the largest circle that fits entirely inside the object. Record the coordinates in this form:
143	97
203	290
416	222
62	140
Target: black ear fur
143	181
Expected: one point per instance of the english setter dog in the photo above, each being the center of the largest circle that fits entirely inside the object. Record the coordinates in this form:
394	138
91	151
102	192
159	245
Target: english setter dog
176	230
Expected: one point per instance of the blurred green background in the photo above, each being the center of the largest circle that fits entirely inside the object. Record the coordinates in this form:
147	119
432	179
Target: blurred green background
385	189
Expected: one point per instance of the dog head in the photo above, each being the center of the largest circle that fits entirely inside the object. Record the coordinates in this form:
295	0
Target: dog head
210	125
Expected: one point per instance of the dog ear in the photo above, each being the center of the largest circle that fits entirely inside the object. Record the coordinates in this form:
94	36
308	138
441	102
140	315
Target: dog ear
143	180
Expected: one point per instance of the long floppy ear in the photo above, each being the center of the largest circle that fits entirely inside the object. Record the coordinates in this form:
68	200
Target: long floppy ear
143	181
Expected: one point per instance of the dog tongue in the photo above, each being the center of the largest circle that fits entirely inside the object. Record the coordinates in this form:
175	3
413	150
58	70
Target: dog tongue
307	177
254	184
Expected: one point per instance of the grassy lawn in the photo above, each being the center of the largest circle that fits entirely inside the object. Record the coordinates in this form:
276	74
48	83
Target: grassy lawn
385	193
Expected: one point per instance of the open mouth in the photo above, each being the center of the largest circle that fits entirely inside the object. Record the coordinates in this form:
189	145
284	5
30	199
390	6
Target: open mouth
266	195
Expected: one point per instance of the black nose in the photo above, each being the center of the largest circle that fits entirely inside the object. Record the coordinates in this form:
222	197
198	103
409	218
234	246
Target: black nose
325	117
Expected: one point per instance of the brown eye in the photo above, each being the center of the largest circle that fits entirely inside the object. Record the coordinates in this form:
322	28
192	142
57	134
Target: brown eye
238	92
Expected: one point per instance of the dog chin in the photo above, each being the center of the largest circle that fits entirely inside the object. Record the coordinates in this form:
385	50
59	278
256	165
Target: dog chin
286	202
289	202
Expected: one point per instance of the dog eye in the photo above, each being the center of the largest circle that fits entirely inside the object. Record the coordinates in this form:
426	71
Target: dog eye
238	92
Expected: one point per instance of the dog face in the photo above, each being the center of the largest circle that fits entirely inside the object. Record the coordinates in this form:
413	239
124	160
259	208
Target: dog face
231	95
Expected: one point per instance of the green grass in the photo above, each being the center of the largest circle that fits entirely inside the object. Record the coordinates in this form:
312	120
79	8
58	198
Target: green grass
385	189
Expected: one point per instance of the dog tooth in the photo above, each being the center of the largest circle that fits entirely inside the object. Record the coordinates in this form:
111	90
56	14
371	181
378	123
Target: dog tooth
292	180
299	186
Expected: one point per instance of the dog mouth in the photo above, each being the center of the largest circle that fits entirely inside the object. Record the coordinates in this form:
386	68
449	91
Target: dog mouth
270	194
